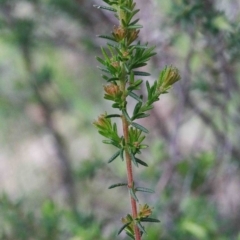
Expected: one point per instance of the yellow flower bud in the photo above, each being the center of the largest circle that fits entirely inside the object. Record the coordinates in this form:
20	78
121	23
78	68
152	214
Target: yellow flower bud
144	211
167	78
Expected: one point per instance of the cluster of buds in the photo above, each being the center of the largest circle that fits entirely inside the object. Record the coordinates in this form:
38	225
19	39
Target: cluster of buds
120	33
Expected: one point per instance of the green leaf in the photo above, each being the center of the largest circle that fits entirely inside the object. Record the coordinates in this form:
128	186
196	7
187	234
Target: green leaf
112	115
133	159
107	141
101	60
140	127
137	108
134	22
136	26
140	115
135	12
122	228
121	154
117	185
141	162
126	115
112	142
107	37
113	80
143	146
114	156
104	69
133	195
140	46
138	65
130	235
138	82
142	189
126	9
149	220
141	227
105	77
138	73
105	8
135	96
115	105
104	53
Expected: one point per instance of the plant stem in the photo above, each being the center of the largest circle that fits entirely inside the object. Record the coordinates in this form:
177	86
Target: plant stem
130	178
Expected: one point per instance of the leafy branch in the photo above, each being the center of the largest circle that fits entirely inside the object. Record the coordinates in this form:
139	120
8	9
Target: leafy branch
121	58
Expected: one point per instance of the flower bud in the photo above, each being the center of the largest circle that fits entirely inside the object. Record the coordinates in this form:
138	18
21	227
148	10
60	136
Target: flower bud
112	90
102	121
119	33
144	211
167	78
132	35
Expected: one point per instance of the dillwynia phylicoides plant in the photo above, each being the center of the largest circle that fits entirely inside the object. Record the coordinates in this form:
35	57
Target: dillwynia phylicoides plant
120	59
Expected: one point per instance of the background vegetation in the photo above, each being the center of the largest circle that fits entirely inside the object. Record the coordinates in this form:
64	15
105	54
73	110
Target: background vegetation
53	171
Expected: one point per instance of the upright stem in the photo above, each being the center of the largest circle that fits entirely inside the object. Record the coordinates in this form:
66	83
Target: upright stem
128	159
130	178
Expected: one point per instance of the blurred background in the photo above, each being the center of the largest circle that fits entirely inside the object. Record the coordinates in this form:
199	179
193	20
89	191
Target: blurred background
53	166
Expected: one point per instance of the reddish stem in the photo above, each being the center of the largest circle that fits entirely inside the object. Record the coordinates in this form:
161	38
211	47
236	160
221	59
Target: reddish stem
130	178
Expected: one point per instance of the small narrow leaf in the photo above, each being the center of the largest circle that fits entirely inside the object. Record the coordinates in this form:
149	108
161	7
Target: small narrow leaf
105	8
135	96
126	115
112	79
140	127
140	46
126	9
133	195
104	70
149	220
115	105
112	115
138	73
140	115
114	156
136	26
141	227
137	108
107	37
117	185
141	162
142	189
100	60
133	159
105	77
130	235
134	22
121	154
122	228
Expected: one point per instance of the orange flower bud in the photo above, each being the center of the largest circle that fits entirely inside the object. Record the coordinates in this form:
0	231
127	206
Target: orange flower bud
119	33
112	90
